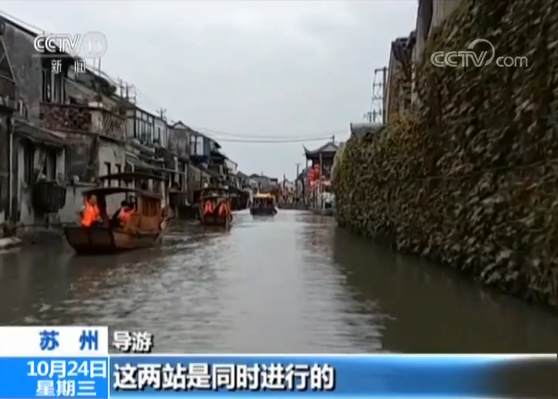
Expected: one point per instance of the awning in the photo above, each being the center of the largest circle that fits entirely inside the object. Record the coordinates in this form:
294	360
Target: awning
37	135
203	169
139	164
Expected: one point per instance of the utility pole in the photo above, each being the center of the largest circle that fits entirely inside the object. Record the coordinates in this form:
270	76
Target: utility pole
384	90
128	92
120	88
377	106
162	113
380	94
333	139
296	180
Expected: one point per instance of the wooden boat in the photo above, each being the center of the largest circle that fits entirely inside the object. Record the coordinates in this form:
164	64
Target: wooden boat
217	197
144	228
263	205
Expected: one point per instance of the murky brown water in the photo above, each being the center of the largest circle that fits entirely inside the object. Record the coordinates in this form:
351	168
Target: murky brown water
293	283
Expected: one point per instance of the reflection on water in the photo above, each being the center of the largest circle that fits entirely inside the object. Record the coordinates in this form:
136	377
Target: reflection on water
433	309
289	283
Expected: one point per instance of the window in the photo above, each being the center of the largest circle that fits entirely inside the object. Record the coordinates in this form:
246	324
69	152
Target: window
53	89
72	72
59	94
22	109
29	163
49	169
192	145
47	85
159	134
199	145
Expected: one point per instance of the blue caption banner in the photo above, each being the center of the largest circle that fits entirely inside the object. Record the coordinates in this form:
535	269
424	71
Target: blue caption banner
54	377
317	376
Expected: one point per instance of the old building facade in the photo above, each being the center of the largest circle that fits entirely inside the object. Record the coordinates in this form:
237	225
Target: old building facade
34	156
61	103
406	54
8	105
399	85
68	124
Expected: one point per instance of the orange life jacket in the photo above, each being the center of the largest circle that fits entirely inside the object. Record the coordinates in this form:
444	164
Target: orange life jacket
223	209
208	208
125	215
90	214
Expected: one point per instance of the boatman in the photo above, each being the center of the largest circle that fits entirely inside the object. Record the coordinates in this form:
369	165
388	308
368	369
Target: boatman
125	213
90	215
117	218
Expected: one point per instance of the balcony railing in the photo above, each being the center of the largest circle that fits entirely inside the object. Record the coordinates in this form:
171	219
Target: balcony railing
83	119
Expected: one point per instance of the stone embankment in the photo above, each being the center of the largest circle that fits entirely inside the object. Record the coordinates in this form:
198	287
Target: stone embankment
471	178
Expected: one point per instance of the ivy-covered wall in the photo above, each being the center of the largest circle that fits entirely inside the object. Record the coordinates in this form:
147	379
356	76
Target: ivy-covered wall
471	177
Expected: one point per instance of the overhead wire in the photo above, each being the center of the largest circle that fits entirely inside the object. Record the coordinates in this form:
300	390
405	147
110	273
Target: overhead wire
217	134
313	136
284	141
230	137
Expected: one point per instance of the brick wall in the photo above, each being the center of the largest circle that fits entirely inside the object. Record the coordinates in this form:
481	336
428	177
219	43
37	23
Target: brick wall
79	118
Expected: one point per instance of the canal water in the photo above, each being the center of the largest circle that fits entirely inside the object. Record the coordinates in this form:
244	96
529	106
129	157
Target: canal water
292	283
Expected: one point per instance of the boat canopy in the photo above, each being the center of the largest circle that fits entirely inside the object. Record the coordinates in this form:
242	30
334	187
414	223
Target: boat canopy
214	192
220	189
264	196
103	191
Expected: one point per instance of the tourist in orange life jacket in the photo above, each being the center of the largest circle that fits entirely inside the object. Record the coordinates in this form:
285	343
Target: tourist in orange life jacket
208	207
223	208
125	213
90	214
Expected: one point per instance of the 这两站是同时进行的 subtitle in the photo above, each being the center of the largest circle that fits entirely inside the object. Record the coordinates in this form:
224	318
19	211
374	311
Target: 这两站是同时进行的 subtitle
227	377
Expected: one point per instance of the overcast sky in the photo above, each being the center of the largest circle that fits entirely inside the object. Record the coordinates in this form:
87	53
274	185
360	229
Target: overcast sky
254	68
